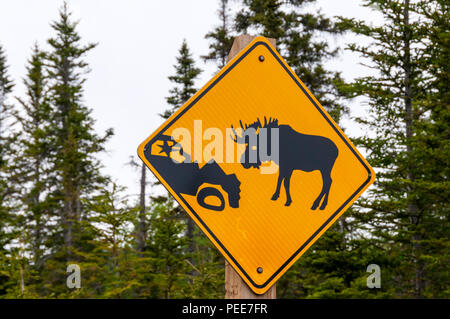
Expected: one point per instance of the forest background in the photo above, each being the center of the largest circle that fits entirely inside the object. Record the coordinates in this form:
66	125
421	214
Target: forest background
66	198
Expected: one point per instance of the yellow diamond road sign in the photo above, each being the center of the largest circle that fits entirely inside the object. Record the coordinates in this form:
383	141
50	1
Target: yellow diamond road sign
258	164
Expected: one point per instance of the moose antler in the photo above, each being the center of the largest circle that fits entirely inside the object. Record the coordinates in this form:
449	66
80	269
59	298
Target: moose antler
272	122
237	138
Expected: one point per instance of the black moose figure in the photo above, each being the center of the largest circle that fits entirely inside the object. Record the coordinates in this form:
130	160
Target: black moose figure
296	151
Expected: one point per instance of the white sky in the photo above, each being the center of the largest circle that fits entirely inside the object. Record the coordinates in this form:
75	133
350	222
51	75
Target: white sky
138	42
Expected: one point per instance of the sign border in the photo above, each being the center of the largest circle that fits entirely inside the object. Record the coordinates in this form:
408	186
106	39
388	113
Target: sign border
191	102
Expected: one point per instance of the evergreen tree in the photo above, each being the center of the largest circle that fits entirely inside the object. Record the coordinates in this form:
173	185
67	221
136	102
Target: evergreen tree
142	219
184	80
113	261
6	86
72	171
33	163
7	189
432	139
141	224
430	145
406	224
168	250
6	138
300	41
266	17
220	38
206	269
75	143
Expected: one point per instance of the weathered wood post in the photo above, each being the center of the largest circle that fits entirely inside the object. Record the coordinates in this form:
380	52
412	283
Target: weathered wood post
235	287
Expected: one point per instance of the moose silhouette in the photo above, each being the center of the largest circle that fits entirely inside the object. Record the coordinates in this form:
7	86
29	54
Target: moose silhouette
296	151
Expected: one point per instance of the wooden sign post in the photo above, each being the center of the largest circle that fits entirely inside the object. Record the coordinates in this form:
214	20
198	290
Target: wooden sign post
235	287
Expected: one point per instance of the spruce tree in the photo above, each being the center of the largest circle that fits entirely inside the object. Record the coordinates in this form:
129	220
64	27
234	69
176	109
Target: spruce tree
6	86
33	161
75	144
6	136
406	222
7	189
430	142
33	217
113	262
300	40
169	251
141	224
220	38
184	80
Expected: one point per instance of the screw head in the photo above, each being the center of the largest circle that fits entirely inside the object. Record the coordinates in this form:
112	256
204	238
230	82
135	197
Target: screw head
259	270
261	58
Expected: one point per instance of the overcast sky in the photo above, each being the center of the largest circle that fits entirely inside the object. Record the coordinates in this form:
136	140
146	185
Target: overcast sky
138	42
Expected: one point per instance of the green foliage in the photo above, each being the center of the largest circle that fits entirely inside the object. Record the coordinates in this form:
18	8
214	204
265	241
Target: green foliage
6	150
168	247
206	269
412	170
34	141
220	38
300	40
75	143
183	79
111	258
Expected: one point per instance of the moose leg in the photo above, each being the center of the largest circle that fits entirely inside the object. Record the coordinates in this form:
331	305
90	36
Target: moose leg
327	184
277	192
287	183
322	193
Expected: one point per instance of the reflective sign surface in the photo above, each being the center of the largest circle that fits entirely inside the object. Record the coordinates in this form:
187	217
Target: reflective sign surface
258	164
